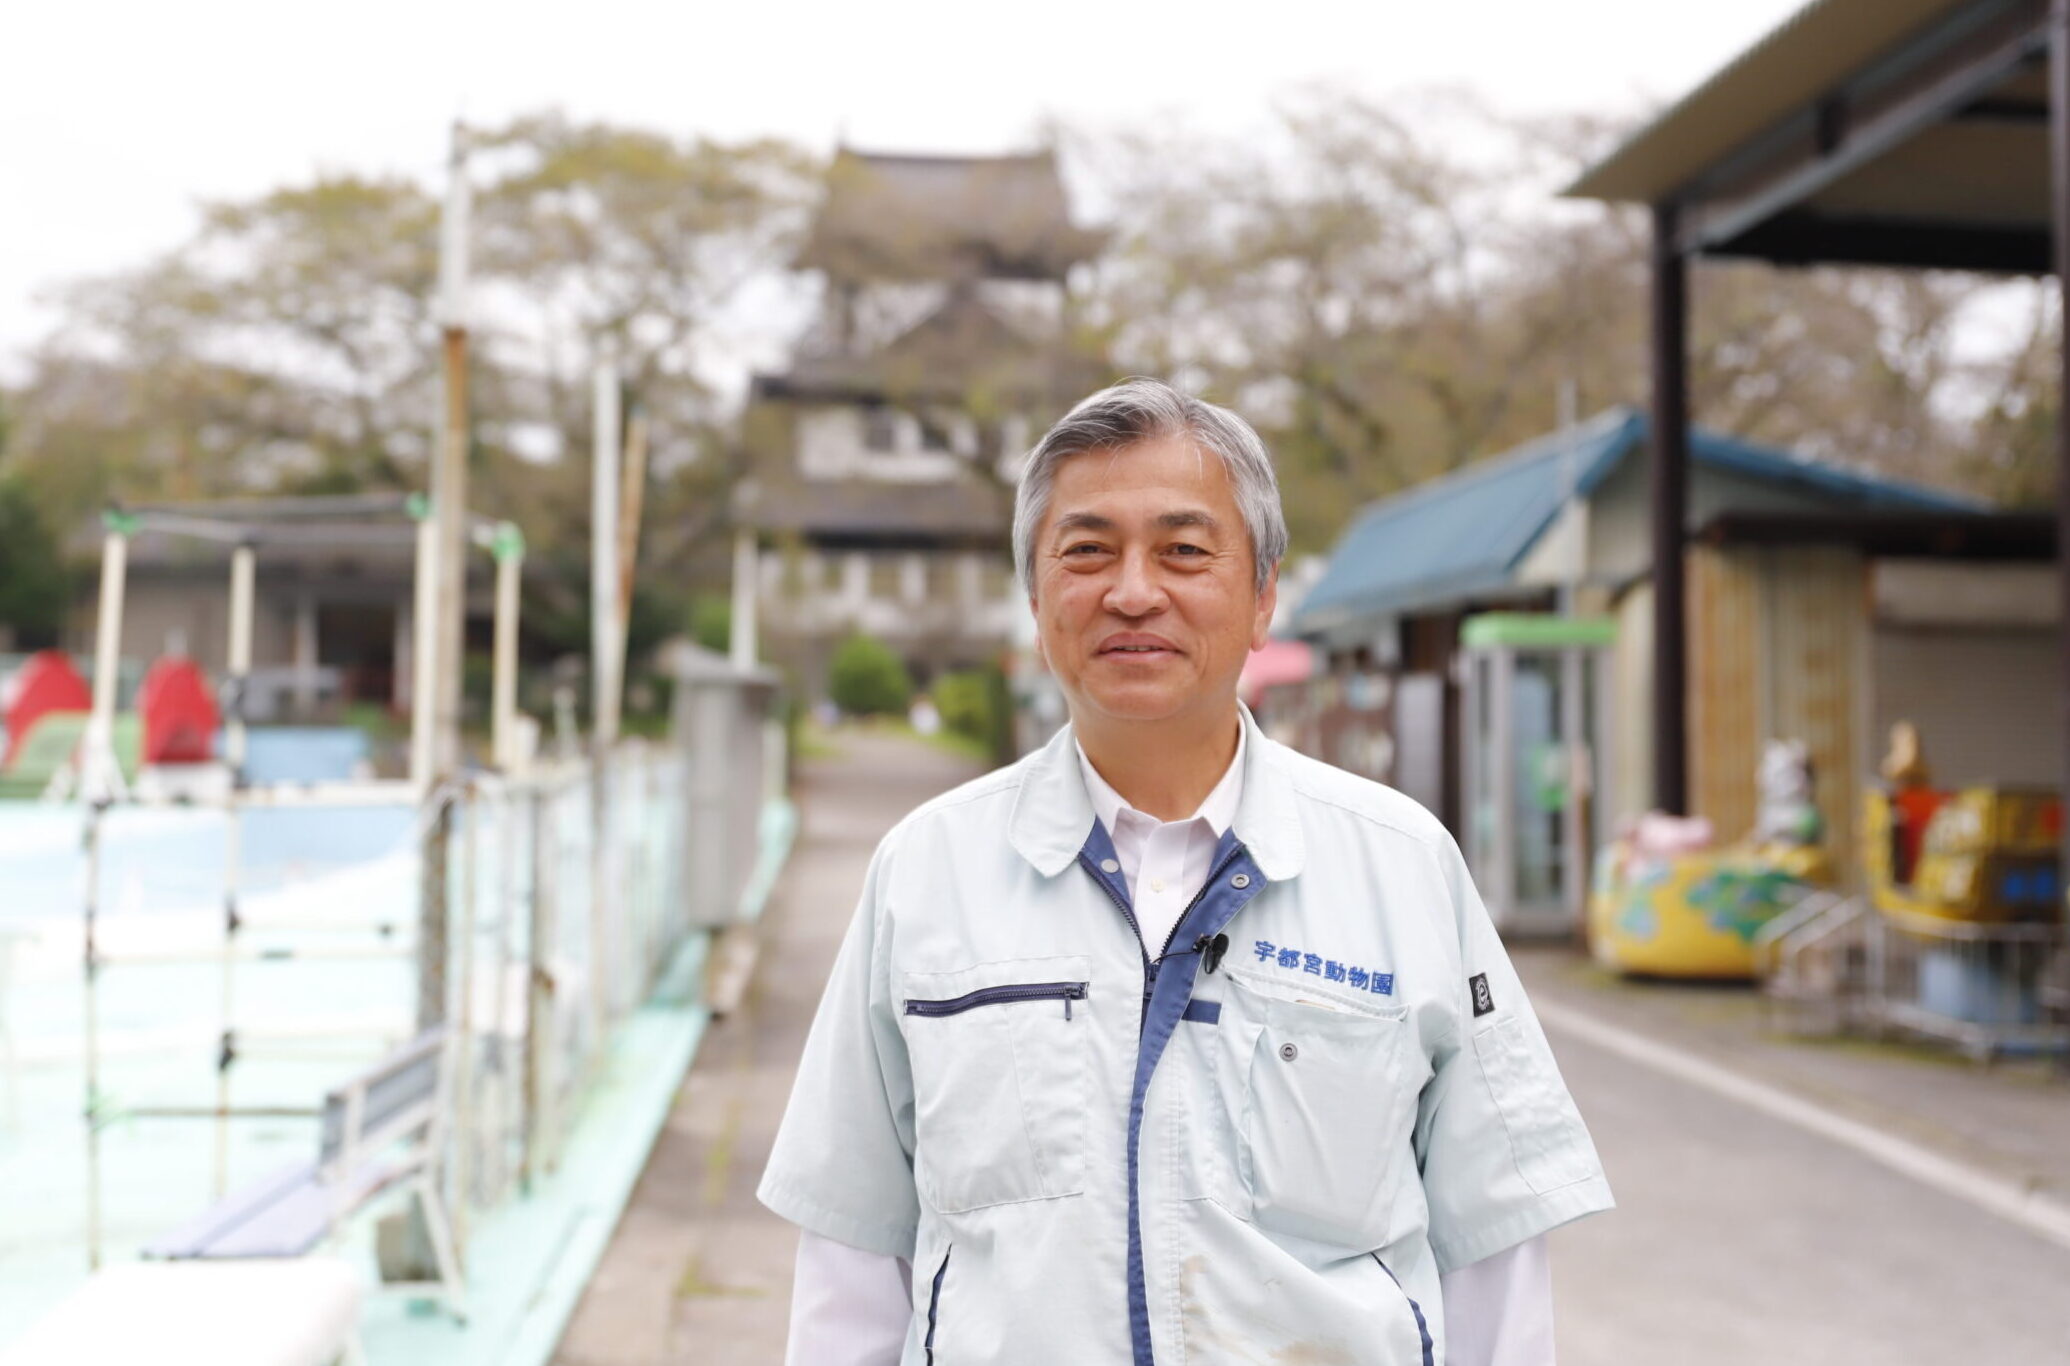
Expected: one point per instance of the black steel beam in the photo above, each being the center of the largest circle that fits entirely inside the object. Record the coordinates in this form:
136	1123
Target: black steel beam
1668	472
1996	536
1801	239
2059	165
1928	81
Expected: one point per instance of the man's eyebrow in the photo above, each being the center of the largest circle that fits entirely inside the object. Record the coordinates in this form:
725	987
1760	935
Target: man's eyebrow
1189	517
1083	521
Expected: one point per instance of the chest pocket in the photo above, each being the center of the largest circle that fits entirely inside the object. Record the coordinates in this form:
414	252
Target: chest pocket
1322	1095
1000	1055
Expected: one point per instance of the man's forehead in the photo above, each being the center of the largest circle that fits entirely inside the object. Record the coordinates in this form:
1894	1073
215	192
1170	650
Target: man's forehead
1194	478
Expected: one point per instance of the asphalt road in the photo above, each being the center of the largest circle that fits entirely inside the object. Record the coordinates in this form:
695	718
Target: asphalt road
1741	1239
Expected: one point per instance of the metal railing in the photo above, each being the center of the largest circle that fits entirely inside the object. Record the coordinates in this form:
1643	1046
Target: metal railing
1990	990
1810	960
571	888
1977	986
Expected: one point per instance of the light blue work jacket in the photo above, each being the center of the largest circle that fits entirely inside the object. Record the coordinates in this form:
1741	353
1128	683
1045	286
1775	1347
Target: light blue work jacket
1262	1144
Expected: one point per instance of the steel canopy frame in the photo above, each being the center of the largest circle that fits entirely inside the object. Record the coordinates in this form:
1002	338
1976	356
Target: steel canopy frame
1752	202
1939	75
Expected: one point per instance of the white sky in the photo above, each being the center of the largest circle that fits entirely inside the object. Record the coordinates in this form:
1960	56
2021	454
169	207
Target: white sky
117	116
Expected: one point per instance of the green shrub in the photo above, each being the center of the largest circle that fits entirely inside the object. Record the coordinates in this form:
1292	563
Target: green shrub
711	622
868	679
973	704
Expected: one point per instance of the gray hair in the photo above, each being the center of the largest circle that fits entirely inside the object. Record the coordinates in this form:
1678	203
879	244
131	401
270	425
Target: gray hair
1140	409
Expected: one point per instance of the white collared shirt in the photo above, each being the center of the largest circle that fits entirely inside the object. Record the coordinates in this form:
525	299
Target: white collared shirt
851	1307
1164	863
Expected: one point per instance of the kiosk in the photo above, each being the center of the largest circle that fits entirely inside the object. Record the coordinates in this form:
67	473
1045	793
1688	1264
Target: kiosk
1533	722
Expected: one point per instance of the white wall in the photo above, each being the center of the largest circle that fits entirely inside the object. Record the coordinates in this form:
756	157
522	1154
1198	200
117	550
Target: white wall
832	444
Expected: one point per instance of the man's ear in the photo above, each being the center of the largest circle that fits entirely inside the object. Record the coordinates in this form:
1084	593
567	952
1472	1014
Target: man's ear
1268	603
1040	653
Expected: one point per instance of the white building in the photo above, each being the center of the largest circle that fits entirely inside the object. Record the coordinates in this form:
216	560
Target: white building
882	459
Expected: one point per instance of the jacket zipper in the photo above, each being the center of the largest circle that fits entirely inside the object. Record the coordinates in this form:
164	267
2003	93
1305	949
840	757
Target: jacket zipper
1128	913
1067	992
934	1303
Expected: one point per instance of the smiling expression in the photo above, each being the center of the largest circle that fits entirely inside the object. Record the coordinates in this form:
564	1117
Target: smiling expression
1146	595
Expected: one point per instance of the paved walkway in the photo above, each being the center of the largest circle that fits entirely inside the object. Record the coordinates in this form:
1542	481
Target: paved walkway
698	1271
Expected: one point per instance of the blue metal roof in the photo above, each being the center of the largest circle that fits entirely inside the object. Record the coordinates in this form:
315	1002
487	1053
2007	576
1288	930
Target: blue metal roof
1461	537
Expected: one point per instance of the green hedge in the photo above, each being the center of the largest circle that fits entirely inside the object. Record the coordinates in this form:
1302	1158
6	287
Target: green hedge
974	703
869	679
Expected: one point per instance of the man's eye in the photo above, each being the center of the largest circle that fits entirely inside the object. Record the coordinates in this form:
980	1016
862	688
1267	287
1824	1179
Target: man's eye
1093	546
1184	549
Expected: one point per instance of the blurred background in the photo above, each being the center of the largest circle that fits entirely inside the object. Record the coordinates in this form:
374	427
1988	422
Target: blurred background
493	497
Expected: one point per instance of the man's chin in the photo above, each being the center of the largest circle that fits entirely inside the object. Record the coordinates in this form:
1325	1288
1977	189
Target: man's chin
1138	704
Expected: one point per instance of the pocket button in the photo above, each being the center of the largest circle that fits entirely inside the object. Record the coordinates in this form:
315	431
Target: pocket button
1288	1052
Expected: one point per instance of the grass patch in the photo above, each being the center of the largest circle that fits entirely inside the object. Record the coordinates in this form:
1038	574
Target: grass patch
956	743
815	742
693	1284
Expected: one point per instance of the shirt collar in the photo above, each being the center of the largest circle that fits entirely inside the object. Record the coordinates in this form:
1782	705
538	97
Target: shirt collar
1052	812
1218	809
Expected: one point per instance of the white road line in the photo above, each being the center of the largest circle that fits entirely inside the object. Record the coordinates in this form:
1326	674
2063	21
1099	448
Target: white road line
2008	1200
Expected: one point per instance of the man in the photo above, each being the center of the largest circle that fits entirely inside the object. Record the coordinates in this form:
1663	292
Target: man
1168	1044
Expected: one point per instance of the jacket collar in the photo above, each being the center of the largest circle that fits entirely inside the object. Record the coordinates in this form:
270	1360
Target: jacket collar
1052	814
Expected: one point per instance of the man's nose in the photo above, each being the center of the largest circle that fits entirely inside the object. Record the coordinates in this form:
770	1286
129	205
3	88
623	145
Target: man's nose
1136	591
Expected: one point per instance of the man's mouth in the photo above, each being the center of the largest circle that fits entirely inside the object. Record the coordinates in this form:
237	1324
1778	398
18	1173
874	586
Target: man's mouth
1138	645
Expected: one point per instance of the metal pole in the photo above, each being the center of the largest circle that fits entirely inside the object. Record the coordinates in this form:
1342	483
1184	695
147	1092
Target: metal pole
542	937
1668	468
607	657
606	652
743	642
509	549
99	750
97	764
449	514
2059	164
449	490
243	574
465	1131
507	811
632	499
424	648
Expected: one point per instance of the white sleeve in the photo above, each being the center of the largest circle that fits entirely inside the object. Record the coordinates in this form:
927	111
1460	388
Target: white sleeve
1499	1310
848	1307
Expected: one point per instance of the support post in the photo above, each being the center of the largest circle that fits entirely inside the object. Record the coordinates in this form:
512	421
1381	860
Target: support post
424	644
2059	198
509	549
237	688
98	771
607	661
745	647
307	654
607	654
449	638
1668	471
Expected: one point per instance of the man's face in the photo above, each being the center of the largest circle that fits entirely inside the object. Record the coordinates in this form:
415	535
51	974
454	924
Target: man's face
1145	595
